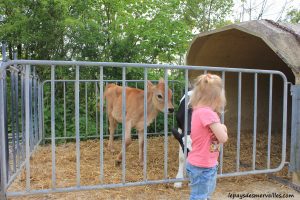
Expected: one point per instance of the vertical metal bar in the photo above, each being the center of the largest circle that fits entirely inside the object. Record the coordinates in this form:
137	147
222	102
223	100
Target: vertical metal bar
37	111
3	138
43	116
15	56
270	121
6	125
40	111
145	121
222	121
254	123
17	116
173	102
117	129
86	110
23	112
96	93
27	124
295	125
106	119
166	126
155	125
284	121
35	107
77	127
30	115
186	88
123	124
136	86
4	130
65	113
12	87
38	108
53	127
4	59
101	126
239	123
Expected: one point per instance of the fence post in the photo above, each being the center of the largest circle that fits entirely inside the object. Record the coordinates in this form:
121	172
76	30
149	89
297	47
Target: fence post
3	139
295	135
27	124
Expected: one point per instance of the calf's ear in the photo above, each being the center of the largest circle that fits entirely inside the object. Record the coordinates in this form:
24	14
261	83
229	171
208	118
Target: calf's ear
149	85
161	80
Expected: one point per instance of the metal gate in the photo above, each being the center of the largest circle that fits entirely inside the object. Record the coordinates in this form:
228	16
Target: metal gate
23	126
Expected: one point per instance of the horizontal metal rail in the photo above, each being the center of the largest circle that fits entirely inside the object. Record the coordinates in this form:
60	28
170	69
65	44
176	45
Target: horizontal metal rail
48	63
127	184
104	136
93	187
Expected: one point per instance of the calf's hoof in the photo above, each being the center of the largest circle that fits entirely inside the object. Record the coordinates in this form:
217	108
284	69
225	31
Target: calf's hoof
141	163
118	163
177	185
112	151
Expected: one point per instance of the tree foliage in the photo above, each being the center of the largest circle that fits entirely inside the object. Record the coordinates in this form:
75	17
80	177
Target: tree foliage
107	30
293	16
137	31
207	14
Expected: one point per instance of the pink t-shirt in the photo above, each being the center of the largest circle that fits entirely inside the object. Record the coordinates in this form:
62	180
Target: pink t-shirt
205	147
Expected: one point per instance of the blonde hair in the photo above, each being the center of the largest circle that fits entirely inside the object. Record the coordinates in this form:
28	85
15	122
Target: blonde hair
208	91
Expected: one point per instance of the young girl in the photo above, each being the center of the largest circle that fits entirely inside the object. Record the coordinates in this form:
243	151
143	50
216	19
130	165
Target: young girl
207	133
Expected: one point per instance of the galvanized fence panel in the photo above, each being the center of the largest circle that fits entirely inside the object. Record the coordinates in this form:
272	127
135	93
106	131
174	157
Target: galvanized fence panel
295	133
31	131
19	121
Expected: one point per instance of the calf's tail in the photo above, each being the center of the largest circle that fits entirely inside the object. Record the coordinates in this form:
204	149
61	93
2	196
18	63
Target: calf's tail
179	137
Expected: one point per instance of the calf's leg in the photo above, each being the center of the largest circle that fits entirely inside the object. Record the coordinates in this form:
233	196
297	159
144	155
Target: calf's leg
141	147
112	127
127	142
180	166
182	159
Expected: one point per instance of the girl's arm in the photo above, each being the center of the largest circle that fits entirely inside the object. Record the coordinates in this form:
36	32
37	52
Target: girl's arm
220	131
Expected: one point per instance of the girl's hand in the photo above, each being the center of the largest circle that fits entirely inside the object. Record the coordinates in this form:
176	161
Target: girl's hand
225	128
220	131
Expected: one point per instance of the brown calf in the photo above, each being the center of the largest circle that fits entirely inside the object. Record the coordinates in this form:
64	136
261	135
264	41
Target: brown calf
134	111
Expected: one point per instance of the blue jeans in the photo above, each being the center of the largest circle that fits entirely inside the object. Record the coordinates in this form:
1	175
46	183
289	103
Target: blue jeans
202	181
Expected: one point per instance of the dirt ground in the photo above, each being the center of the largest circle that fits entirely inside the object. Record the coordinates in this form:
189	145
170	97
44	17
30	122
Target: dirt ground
41	167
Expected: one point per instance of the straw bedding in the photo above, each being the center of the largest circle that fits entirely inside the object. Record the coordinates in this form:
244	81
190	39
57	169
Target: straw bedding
41	166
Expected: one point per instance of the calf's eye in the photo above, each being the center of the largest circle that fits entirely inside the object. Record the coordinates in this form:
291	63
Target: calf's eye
159	96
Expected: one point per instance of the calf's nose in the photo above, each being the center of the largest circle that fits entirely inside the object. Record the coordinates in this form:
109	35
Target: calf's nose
171	110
